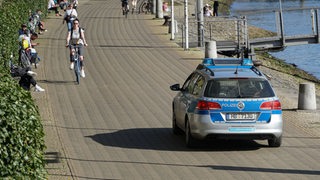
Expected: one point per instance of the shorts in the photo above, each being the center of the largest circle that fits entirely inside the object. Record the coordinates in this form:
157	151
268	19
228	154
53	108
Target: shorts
80	49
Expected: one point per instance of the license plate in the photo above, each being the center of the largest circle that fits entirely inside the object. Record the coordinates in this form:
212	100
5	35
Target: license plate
241	129
241	116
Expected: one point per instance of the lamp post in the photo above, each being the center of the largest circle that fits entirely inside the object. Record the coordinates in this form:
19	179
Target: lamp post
186	22
280	4
281	24
173	30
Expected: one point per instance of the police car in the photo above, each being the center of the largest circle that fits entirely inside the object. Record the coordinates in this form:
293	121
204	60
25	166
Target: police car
227	99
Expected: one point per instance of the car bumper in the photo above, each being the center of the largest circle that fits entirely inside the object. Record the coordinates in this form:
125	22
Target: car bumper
202	126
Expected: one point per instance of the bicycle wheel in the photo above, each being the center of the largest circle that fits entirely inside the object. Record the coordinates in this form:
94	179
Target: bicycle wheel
144	8
77	70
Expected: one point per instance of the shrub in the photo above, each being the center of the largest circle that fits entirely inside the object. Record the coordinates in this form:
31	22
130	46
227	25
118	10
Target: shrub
21	132
21	135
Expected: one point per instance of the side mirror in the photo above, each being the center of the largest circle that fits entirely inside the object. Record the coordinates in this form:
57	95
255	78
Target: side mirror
175	87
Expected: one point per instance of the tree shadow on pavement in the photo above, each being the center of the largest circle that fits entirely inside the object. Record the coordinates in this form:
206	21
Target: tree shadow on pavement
163	139
56	82
52	157
267	170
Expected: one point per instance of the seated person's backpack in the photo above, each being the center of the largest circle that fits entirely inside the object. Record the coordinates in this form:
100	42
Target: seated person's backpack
24	58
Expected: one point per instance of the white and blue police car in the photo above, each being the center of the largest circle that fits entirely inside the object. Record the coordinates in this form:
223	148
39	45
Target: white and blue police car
227	98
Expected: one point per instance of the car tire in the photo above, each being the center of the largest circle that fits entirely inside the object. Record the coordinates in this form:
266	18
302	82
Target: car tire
175	129
275	142
190	141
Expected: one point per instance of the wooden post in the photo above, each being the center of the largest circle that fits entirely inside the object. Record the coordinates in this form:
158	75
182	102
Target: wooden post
317	25
283	40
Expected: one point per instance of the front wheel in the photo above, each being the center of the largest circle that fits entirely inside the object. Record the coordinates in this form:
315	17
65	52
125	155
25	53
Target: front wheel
77	71
144	8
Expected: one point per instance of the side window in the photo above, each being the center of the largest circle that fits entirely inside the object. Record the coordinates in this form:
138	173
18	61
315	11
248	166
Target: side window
192	83
187	82
198	86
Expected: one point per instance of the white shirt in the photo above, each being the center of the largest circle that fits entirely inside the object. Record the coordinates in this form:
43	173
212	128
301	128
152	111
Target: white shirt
75	2
71	12
51	4
75	38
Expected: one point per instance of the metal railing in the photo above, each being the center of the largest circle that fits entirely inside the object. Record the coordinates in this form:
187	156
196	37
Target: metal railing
229	32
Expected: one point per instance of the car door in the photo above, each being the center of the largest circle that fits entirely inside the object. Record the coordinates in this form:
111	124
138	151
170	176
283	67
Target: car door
181	97
185	98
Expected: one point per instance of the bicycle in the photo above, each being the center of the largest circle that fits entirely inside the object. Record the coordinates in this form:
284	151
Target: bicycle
76	60
145	6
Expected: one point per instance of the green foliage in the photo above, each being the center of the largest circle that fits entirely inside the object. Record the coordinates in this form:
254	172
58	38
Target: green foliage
21	136
13	13
22	143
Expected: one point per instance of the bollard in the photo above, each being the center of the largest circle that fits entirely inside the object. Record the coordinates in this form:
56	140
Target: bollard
307	97
211	49
175	27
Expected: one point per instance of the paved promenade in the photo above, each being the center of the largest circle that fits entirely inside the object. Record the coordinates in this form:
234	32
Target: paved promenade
117	123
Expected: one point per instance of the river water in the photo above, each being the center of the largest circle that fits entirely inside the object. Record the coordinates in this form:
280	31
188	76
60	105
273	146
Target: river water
297	21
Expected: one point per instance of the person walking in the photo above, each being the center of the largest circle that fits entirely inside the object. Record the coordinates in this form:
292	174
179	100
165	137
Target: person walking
215	8
69	16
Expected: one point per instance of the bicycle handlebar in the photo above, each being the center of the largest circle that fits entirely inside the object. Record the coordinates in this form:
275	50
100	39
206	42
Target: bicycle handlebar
77	45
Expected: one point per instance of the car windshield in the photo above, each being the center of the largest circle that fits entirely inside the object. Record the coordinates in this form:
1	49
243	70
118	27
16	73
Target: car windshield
238	88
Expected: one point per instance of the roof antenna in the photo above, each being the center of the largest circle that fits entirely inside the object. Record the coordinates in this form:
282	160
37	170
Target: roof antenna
241	54
236	72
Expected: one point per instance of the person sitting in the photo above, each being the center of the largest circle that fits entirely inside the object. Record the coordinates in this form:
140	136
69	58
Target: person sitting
26	77
23	30
75	4
37	21
27	53
64	4
52	6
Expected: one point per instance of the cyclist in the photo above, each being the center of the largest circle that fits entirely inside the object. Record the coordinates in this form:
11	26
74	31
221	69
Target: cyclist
125	6
134	4
76	37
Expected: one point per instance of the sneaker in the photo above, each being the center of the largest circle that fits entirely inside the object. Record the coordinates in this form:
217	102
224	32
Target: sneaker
38	88
31	73
71	65
82	74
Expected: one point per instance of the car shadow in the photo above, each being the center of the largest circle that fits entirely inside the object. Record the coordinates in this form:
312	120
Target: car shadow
164	139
